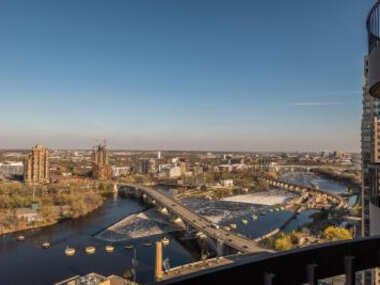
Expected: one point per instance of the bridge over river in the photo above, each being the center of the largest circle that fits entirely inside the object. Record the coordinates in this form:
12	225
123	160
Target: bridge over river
339	201
190	218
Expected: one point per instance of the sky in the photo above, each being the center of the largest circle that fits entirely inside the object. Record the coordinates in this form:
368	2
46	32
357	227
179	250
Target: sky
258	75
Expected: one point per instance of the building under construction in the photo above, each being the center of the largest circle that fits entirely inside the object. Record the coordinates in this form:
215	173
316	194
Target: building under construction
36	166
101	169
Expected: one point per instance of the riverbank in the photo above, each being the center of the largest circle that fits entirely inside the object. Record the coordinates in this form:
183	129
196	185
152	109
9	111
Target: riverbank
11	224
351	178
22	208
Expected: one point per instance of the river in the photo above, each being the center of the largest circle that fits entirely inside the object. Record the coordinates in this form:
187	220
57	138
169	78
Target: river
27	263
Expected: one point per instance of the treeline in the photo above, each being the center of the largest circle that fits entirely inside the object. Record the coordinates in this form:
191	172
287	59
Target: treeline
287	241
53	204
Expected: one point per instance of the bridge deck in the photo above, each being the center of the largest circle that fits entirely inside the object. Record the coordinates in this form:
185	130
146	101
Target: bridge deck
239	243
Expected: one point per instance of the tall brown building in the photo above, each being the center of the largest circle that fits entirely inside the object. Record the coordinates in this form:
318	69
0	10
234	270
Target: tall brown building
101	168
36	166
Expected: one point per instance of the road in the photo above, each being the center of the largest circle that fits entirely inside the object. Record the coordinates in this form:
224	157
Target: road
200	223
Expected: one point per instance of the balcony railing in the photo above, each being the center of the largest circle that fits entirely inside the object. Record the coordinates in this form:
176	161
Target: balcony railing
305	265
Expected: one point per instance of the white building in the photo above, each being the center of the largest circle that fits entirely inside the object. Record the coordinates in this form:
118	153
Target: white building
9	168
227	183
120	170
175	172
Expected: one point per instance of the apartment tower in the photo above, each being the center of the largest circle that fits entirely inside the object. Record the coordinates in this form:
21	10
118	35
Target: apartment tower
36	166
101	168
370	134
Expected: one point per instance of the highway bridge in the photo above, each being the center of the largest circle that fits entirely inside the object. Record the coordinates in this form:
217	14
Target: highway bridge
183	214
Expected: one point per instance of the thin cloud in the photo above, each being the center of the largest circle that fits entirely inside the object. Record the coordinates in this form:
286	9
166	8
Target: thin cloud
316	104
345	92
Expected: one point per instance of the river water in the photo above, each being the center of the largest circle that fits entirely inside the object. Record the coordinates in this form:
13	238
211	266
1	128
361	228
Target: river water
27	263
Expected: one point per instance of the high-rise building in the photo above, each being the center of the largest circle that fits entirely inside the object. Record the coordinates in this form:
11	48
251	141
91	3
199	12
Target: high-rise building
101	169
36	166
146	166
370	134
366	149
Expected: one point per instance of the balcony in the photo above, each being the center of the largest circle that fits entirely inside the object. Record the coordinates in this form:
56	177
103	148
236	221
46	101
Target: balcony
305	265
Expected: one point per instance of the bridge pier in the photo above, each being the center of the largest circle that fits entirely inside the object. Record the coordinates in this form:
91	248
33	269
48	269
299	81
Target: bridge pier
164	211
219	247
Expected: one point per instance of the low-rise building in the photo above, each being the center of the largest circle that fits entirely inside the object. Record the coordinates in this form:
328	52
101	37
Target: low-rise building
175	172
30	215
227	183
10	168
118	171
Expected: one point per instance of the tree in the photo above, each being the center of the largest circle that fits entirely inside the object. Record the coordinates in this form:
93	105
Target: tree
337	233
283	243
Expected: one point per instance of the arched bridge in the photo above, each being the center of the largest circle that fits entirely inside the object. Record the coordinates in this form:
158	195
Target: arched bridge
189	217
300	189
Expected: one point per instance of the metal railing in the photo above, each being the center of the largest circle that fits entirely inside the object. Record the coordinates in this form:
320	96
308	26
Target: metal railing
305	265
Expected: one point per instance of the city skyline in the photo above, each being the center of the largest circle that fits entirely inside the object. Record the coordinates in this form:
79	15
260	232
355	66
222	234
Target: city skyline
280	76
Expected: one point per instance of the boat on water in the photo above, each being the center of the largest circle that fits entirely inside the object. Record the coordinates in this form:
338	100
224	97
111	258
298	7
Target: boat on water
20	238
90	249
165	241
147	244
233	226
109	248
254	217
244	221
129	246
69	251
45	245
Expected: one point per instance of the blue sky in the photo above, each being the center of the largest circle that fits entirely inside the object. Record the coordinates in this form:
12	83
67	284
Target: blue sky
203	75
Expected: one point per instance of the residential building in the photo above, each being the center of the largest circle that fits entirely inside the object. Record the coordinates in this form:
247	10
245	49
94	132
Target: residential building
30	215
101	169
36	166
146	166
370	134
